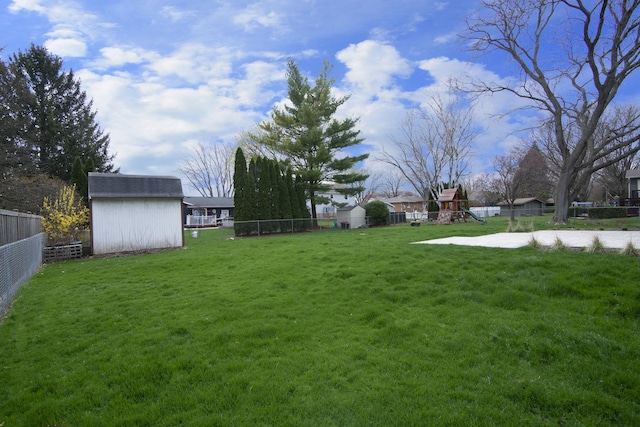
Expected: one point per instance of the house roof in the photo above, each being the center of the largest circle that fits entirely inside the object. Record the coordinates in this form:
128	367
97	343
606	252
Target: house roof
449	195
113	185
521	201
209	202
404	199
632	173
349	208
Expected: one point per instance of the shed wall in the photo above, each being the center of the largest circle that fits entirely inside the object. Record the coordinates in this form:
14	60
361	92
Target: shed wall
355	217
121	225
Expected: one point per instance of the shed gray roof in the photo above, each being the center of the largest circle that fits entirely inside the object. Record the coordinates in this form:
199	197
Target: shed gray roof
113	185
209	202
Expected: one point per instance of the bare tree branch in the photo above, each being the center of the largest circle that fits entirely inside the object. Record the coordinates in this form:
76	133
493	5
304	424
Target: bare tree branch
571	76
435	144
209	169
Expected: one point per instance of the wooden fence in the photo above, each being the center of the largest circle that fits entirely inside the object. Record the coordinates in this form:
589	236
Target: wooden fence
16	226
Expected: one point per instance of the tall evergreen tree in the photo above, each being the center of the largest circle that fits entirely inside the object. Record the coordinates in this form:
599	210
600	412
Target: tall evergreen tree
296	213
79	178
311	138
285	199
16	154
252	196
275	190
62	121
241	197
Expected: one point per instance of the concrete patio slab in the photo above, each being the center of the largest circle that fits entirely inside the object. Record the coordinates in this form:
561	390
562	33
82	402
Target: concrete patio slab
570	238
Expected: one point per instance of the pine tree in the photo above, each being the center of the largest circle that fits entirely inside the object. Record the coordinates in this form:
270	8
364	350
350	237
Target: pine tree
311	138
79	178
302	203
62	121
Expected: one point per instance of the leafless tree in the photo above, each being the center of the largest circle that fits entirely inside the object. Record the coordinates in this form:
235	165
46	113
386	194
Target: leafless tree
612	176
613	150
209	169
573	57
252	145
510	177
435	144
368	186
392	184
535	173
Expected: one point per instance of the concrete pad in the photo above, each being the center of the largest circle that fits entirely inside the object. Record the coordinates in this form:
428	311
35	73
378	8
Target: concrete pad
570	238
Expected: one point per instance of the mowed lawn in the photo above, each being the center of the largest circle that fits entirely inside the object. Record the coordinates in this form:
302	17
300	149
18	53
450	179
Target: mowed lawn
344	328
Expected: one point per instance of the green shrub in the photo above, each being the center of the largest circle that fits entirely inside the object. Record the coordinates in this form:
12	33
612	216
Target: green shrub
378	213
575	211
604	213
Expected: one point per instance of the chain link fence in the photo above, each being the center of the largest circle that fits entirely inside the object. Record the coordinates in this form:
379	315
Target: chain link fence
18	262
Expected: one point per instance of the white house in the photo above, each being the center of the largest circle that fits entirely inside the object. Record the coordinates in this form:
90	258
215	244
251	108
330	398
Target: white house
336	199
351	217
134	212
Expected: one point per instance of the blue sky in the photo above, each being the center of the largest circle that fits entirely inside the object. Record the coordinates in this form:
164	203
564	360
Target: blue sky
165	75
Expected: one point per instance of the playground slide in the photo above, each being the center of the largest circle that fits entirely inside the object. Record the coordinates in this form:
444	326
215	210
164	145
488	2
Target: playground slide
474	216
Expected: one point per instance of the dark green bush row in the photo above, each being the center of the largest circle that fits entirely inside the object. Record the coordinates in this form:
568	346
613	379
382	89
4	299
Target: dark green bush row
598	213
604	213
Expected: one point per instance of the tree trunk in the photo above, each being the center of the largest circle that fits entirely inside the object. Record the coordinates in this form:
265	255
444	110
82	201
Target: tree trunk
561	198
314	216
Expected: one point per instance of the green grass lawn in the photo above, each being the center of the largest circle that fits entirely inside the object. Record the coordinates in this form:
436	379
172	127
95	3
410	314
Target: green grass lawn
354	327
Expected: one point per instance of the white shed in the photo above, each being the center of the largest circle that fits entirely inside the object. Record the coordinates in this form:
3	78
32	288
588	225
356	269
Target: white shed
351	217
134	212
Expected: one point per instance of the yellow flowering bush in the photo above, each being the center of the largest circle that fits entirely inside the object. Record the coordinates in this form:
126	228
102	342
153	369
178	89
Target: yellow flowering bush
64	216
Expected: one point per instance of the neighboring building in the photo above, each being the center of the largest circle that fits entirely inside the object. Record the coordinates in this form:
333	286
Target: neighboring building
633	180
351	217
414	206
633	187
330	209
207	211
528	206
134	212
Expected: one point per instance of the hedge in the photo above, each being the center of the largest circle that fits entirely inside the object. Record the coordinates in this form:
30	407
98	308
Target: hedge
604	213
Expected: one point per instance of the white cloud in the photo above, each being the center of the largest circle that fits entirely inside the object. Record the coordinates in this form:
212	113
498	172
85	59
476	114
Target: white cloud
29	5
72	26
194	63
255	17
175	15
115	56
372	65
66	47
445	38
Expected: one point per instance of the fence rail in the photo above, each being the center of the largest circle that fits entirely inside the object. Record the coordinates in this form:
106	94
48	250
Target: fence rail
16	226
